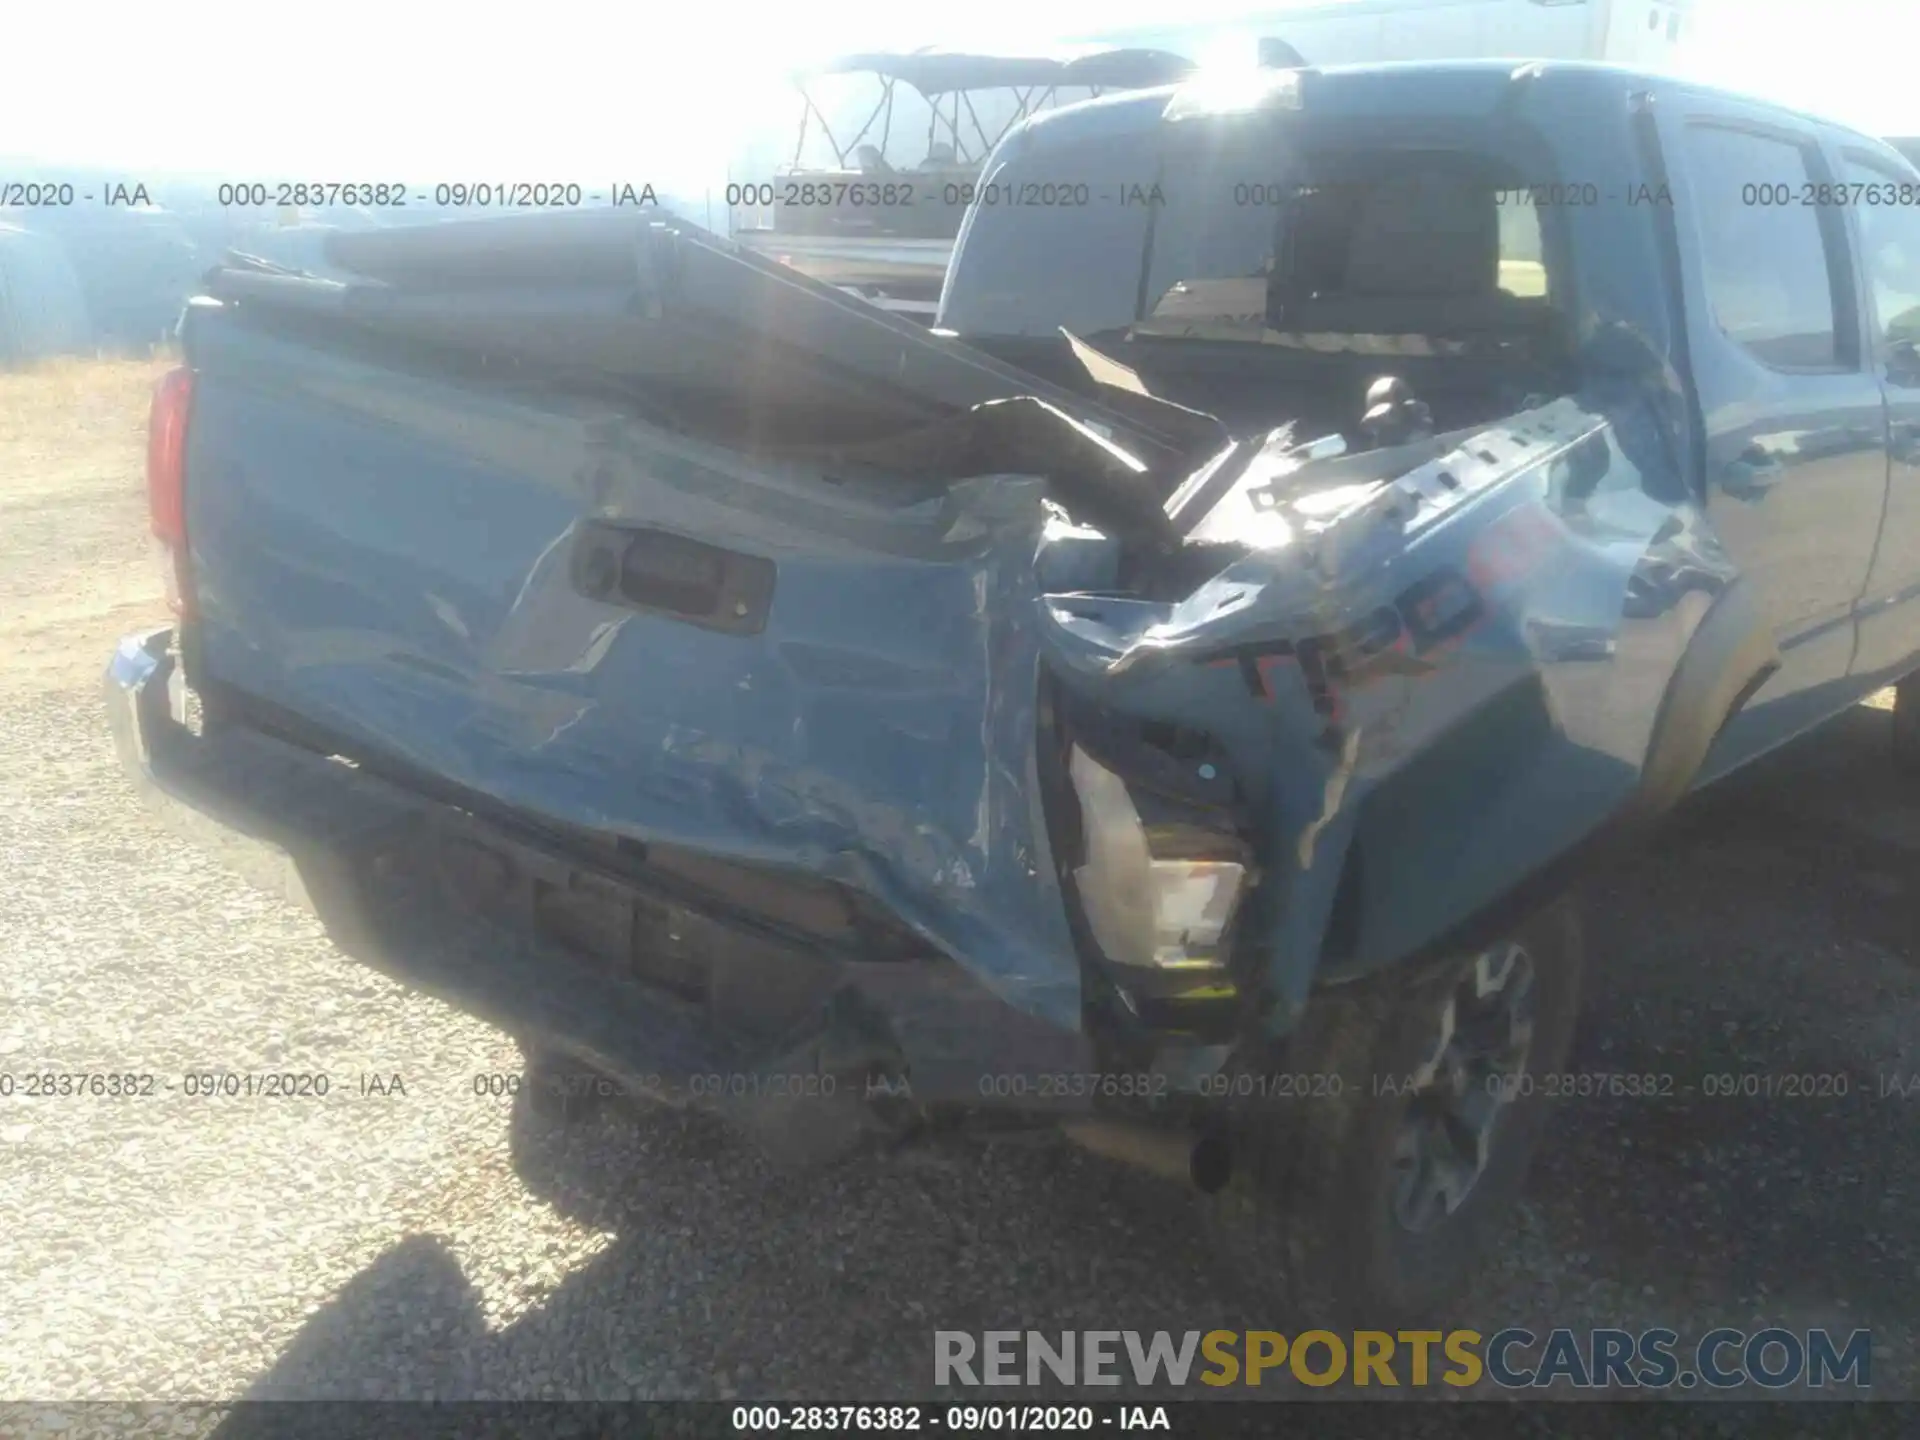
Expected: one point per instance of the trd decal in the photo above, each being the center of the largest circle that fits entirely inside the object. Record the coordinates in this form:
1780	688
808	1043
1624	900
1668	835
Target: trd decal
1438	608
1512	547
1432	612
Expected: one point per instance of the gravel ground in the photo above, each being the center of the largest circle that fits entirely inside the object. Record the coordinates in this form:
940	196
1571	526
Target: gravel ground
423	1244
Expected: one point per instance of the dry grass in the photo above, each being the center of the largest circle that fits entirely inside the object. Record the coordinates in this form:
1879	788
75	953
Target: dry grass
76	568
56	407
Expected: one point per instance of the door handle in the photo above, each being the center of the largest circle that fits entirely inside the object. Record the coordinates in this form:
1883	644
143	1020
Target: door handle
1751	473
641	568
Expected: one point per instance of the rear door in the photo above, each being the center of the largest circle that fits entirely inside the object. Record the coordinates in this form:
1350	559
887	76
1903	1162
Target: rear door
1883	195
1793	421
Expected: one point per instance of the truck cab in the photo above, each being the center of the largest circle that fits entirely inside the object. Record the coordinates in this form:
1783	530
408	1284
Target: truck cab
1182	687
1741	275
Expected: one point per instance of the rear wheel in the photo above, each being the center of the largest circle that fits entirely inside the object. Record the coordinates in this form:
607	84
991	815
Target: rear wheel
1371	1200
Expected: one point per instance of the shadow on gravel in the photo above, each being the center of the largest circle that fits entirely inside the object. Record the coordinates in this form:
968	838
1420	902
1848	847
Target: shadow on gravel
1756	964
1757	967
408	1325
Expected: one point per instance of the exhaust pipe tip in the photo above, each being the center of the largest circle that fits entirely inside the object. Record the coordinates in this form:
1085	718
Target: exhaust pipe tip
1205	1163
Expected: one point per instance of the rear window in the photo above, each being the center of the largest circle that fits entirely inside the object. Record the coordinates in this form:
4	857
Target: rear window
1215	233
1217	241
1523	261
1054	244
1278	238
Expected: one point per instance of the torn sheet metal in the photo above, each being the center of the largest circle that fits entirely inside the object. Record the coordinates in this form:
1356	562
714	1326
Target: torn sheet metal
1446	662
1444	658
419	599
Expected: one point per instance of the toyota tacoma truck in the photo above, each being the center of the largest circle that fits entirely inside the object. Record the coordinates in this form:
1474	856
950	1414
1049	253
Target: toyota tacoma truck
1170	699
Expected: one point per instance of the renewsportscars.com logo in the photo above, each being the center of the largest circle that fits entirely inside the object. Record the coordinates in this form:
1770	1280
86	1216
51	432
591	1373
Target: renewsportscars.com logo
1513	1358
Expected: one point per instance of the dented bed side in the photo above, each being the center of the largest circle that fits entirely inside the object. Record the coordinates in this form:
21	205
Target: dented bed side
397	561
1440	689
1436	671
1447	678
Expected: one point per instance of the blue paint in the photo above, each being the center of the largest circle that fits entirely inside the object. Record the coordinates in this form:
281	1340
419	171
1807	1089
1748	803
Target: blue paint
385	551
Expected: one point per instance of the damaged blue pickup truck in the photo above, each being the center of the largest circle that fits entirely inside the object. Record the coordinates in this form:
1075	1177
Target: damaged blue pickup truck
1171	699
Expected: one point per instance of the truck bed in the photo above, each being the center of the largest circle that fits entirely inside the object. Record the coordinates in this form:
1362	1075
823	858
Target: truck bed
637	537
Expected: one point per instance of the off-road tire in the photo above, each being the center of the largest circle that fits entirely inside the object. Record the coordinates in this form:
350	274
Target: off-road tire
1307	1216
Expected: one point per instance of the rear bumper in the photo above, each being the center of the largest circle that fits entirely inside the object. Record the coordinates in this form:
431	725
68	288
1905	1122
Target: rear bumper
369	858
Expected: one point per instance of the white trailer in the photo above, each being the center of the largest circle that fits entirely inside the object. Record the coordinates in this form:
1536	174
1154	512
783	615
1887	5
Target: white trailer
1648	34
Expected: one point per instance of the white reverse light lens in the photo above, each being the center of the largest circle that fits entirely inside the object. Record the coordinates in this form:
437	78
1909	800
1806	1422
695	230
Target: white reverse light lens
1193	901
1162	914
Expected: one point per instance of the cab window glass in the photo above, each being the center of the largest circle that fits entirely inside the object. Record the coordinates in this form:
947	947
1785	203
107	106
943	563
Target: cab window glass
1068	227
1764	253
1884	205
1523	266
1224	199
1361	226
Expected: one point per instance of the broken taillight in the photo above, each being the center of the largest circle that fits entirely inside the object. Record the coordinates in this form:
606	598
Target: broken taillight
167	481
1146	909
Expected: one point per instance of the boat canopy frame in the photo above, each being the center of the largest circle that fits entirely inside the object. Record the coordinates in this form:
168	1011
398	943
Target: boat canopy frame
946	80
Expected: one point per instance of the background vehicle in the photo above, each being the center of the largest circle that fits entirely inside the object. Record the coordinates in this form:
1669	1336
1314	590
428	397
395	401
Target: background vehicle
43	310
1184	727
881	169
134	263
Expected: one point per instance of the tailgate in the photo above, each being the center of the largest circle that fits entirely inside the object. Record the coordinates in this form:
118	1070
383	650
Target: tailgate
426	522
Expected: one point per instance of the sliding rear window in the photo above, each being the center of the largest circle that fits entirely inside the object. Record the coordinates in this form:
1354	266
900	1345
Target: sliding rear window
1256	235
1055	239
1223	232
